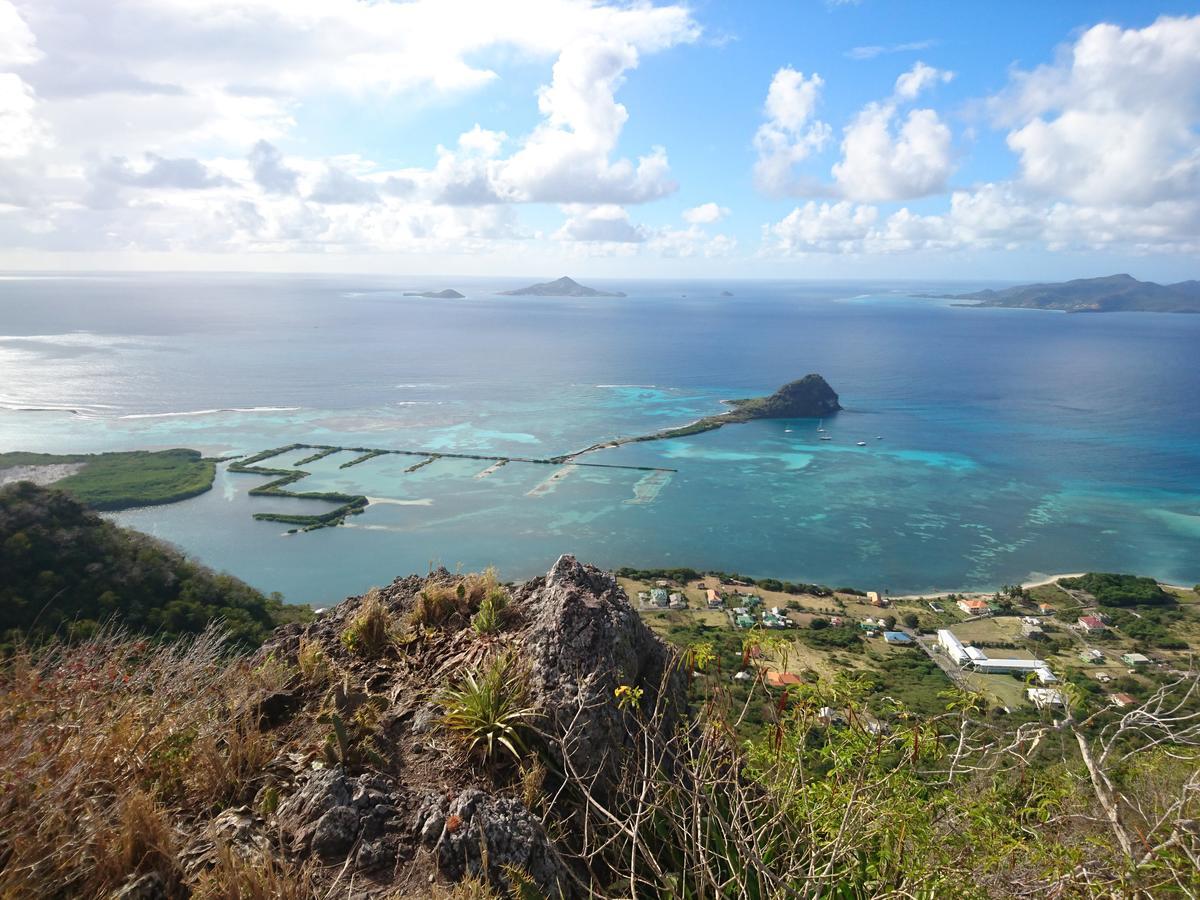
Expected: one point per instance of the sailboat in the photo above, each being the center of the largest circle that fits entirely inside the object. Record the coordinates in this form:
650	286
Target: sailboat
821	425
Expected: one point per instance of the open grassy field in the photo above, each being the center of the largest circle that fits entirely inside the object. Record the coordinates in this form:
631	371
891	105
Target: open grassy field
110	481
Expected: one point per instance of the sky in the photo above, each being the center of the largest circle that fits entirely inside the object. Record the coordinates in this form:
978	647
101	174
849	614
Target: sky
803	139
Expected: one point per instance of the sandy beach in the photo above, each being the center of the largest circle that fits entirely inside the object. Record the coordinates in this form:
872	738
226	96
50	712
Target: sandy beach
47	474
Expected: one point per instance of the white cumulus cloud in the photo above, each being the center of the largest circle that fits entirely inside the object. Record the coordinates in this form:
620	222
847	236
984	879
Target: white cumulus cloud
1115	120
890	155
601	223
790	133
705	214
920	77
172	124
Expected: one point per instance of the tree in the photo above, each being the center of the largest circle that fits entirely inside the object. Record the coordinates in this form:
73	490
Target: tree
910	620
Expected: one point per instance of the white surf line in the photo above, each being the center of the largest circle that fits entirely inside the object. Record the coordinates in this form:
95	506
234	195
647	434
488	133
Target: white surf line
393	501
492	468
210	412
552	482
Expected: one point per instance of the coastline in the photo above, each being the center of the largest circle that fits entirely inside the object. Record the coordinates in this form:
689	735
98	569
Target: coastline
1041	582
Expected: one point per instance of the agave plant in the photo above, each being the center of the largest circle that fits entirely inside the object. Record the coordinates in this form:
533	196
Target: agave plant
488	712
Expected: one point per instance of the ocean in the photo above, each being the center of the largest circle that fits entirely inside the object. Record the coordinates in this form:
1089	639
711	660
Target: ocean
1000	444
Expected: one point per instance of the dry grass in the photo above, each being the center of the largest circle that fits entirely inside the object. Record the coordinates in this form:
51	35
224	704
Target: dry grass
441	603
103	745
372	630
235	878
467	889
451	600
312	662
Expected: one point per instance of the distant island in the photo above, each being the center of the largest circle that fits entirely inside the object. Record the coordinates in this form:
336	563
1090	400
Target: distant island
809	397
1112	293
726	294
563	287
447	294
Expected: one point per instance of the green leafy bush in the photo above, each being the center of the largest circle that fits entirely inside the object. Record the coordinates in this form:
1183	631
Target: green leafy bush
1112	589
67	571
487	712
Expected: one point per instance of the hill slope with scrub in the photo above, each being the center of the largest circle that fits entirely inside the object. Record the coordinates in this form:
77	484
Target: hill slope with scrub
67	571
452	736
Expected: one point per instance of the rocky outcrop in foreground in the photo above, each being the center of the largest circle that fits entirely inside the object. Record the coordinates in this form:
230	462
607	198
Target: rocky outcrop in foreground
374	785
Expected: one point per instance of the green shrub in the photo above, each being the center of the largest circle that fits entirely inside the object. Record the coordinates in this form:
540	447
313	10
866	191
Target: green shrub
491	615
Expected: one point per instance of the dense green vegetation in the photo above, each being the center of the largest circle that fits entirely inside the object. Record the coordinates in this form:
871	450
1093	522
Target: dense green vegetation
110	481
806	398
1111	589
350	504
912	678
67	571
841	637
684	574
321	453
1150	628
363	457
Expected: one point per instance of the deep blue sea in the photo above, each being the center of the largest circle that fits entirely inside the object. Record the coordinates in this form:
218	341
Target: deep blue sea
1000	443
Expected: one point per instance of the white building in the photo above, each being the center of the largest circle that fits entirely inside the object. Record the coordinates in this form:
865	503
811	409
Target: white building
952	645
1044	698
974	658
1005	666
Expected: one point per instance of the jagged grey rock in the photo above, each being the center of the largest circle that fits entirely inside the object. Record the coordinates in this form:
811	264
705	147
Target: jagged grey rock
239	828
334	833
150	886
509	834
332	812
583	641
431	818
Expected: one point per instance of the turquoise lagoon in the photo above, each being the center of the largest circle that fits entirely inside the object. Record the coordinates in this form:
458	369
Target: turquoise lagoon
1000	444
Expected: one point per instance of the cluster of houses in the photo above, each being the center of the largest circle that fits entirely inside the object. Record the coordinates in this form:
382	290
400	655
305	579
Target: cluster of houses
662	598
877	627
973	658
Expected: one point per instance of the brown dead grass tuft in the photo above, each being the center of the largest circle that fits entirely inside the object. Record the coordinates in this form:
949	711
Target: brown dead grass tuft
104	744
